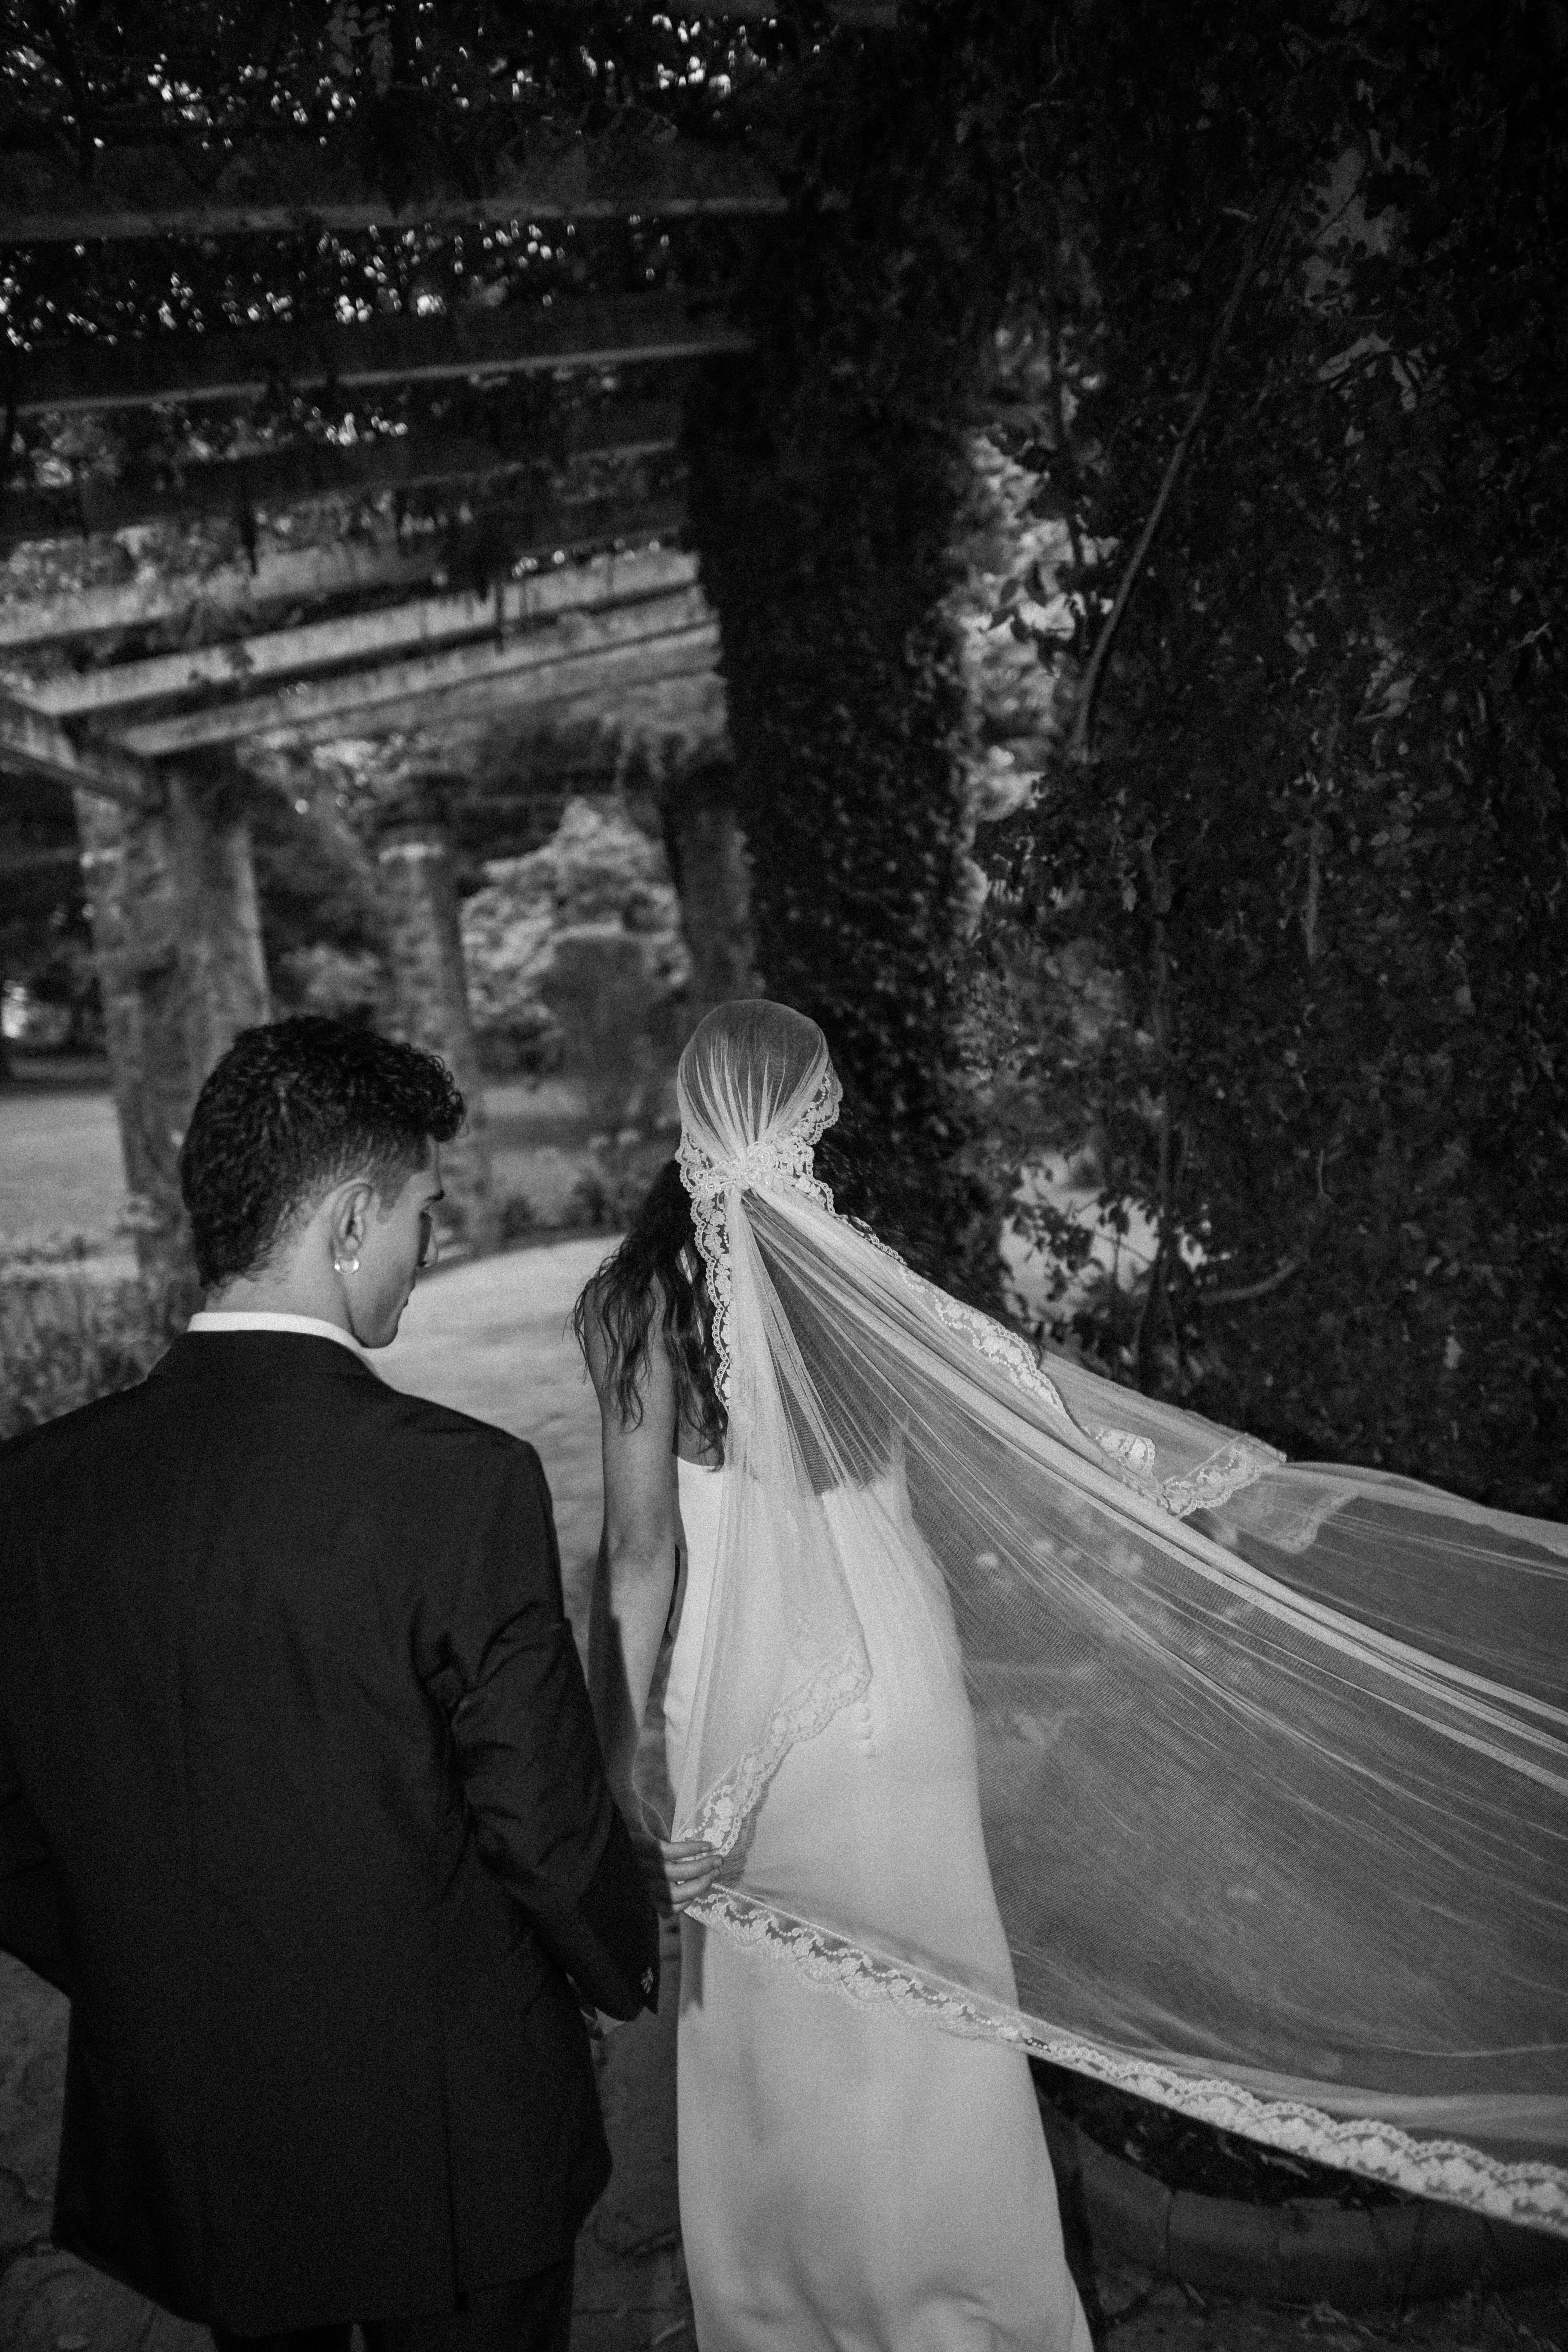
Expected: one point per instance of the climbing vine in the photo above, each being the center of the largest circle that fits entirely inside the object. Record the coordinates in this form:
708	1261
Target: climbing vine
1314	842
833	480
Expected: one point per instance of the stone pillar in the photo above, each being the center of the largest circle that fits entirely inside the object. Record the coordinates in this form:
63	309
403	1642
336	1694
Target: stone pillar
597	988
432	994
177	938
712	873
222	957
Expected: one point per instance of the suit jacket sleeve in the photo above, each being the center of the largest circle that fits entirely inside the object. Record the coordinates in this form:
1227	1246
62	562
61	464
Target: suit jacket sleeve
32	1919
530	1758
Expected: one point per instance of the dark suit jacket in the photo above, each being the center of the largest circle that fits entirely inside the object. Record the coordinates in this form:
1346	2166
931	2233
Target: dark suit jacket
300	1803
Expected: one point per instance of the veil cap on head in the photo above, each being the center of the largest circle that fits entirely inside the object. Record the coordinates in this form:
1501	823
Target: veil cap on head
1272	1760
756	1087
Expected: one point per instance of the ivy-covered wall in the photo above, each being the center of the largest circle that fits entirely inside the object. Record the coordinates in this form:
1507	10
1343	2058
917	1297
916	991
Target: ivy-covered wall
842	704
827	483
1322	839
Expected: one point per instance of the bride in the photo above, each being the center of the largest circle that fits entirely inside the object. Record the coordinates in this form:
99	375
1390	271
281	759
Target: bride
845	2179
975	1710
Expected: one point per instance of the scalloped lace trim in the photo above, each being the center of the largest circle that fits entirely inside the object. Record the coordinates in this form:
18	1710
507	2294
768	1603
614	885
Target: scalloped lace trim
731	1802
1236	1463
1240	1464
1534	2195
773	1164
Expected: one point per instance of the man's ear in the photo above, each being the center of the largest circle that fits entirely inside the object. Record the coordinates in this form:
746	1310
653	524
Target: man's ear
350	1220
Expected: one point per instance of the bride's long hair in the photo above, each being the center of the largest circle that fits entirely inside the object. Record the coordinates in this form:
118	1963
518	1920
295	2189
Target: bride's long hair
655	1280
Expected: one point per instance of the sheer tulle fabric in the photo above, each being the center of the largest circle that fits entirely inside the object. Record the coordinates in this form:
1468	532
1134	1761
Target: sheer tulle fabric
1273	1759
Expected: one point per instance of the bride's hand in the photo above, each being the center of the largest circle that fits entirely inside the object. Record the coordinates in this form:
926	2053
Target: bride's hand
677	1870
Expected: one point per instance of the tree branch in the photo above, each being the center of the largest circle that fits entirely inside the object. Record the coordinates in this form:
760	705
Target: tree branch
1247	1290
1079	745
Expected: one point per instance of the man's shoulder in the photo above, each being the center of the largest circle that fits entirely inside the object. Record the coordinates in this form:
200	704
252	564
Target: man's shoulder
408	1422
41	1448
433	1457
420	1421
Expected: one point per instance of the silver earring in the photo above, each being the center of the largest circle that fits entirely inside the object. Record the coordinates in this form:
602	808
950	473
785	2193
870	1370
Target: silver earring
351	1267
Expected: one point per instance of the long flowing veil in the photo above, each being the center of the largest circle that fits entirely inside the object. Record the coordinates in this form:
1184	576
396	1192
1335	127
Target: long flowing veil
1272	1760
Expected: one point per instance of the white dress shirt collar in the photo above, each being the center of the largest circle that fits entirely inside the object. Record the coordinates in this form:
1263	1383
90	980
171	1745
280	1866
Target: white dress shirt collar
308	1326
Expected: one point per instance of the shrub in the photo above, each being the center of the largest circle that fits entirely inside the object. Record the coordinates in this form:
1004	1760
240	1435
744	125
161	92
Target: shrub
66	1338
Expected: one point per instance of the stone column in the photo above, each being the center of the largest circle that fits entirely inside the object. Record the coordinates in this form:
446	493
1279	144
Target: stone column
712	873
219	916
177	938
426	946
597	988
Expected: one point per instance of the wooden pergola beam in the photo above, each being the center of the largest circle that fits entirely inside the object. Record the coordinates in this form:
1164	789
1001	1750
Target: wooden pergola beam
150	370
344	569
578	686
588	180
857	15
569	636
314	574
426	622
36	746
270	479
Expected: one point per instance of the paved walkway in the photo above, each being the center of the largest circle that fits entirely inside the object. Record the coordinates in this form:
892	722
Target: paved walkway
493	1339
60	1169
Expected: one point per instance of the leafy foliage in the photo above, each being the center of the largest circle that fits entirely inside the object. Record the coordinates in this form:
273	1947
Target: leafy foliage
1322	843
302	106
66	1339
842	704
592	912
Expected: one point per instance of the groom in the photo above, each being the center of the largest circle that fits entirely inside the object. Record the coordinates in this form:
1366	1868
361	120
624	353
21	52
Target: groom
300	1800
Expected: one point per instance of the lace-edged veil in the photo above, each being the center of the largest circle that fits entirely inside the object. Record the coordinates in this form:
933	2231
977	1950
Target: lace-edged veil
1272	1760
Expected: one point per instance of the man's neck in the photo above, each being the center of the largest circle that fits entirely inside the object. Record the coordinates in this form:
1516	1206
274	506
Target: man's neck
321	1303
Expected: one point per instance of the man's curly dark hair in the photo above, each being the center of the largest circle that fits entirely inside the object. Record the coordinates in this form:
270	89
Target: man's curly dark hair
292	1108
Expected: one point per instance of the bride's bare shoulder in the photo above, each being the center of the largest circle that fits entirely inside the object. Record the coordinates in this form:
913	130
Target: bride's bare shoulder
622	1358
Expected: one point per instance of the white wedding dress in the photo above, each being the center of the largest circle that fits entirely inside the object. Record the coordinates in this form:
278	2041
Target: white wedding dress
852	2176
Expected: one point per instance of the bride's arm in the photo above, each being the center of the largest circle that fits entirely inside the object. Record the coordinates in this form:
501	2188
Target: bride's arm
634	1581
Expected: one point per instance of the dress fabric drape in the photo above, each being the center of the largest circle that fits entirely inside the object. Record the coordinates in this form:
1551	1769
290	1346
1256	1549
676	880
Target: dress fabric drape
851	2176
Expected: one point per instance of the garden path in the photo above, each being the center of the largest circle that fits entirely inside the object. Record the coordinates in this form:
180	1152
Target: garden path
493	1339
60	1169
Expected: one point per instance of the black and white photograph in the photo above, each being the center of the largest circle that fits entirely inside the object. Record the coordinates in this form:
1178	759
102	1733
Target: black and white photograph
783	1176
